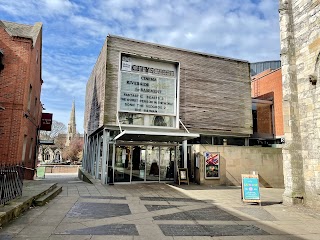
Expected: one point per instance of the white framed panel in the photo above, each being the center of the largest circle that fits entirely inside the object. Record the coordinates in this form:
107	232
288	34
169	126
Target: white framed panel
148	87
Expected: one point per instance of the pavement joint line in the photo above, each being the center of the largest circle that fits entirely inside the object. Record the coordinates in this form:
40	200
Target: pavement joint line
284	226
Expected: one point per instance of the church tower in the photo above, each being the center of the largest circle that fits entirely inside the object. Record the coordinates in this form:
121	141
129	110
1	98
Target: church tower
72	131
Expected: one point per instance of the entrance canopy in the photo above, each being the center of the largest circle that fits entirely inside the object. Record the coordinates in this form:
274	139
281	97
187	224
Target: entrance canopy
155	136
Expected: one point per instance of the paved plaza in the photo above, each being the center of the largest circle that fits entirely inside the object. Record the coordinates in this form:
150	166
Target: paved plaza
160	211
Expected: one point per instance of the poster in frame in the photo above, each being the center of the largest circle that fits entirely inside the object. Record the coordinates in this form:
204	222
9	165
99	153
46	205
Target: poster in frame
211	165
183	175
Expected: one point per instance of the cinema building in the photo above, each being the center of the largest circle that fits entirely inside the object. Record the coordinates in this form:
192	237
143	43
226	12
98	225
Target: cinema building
151	108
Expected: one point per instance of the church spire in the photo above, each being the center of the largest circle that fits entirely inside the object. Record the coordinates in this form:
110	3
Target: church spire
72	131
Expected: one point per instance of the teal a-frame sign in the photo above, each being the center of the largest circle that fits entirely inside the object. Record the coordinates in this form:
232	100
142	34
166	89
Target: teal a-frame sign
250	191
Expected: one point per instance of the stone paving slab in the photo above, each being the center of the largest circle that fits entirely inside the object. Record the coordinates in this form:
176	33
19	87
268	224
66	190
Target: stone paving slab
113	229
104	197
98	210
83	210
159	207
210	230
257	212
210	213
170	199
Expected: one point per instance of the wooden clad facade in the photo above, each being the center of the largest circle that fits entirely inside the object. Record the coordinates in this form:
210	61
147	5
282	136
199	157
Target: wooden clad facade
214	92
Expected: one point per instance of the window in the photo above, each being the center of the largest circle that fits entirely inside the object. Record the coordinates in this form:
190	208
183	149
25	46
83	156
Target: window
35	107
58	156
29	98
24	148
31	147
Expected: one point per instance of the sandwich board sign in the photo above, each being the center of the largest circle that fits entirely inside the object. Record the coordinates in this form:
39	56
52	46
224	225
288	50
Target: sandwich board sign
183	175
250	191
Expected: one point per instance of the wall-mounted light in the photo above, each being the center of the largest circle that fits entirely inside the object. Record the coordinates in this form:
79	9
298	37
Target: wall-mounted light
312	79
1	57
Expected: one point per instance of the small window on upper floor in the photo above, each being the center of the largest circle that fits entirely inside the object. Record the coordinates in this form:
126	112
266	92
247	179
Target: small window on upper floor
24	148
37	56
31	148
29	97
35	106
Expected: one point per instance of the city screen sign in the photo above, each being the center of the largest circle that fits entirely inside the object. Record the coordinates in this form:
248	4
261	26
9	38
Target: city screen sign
147	87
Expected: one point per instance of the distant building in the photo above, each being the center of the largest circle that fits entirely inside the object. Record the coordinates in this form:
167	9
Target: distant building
300	57
54	153
259	67
72	130
20	88
266	93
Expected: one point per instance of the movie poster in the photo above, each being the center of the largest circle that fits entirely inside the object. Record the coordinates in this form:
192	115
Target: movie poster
212	165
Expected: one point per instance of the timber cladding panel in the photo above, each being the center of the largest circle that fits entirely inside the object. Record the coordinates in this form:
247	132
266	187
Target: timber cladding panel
95	94
214	91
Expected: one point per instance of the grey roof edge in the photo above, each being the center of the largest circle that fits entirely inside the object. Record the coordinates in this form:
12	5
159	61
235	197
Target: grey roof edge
272	71
33	32
36	30
266	61
179	49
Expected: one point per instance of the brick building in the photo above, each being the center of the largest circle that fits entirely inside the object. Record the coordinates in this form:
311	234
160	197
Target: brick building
20	87
300	57
266	91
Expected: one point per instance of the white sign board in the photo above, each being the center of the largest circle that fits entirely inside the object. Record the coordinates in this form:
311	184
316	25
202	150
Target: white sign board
147	87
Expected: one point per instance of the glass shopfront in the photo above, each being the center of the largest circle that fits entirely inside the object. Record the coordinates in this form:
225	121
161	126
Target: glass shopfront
144	163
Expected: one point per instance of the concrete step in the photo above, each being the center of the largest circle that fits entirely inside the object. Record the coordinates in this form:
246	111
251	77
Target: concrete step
31	190
48	196
44	192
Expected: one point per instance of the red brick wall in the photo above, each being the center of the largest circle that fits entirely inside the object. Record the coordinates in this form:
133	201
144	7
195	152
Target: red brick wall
20	71
268	82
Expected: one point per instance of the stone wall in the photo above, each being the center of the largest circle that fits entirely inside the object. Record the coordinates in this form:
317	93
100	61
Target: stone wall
237	160
61	168
300	48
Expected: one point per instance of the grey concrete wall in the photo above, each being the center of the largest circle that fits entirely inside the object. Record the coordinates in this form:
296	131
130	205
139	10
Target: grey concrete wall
237	160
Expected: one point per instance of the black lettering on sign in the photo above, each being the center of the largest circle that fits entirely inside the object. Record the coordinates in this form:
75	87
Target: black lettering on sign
130	94
138	83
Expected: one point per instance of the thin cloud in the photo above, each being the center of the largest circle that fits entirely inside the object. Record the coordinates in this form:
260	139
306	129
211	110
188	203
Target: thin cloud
74	32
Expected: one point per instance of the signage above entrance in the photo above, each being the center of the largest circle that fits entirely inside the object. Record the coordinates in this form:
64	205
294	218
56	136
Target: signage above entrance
147	86
155	136
143	94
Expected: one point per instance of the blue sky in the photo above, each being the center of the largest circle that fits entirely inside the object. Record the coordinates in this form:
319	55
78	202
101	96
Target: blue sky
74	32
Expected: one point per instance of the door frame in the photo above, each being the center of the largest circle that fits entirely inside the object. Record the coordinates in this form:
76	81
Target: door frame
142	144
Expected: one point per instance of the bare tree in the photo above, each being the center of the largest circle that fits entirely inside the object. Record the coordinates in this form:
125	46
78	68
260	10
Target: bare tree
56	129
74	150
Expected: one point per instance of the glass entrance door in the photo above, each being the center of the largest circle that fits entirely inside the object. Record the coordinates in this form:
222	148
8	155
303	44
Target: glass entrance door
122	165
138	163
144	163
152	163
167	158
